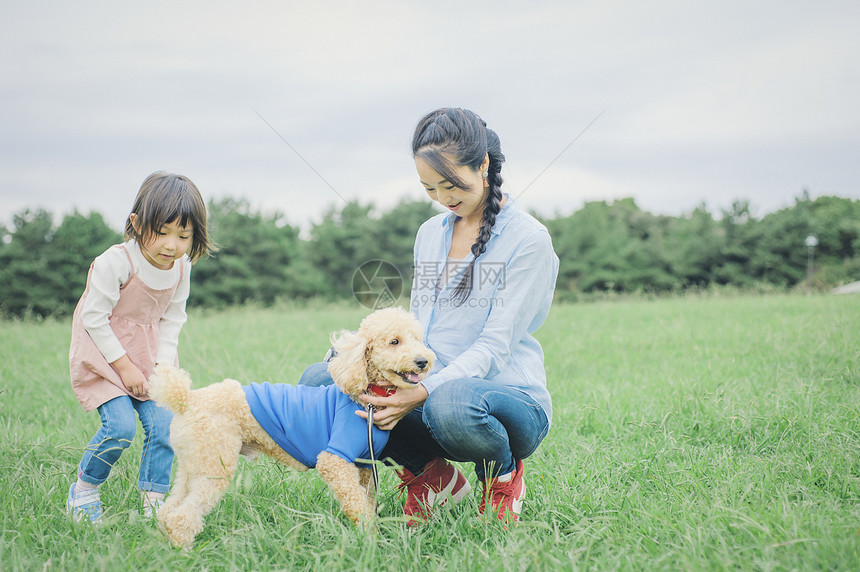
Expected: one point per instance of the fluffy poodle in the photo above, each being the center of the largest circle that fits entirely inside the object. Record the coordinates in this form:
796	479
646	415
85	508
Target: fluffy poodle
299	426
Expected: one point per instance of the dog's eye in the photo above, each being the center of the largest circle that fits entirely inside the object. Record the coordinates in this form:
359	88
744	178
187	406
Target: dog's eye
395	341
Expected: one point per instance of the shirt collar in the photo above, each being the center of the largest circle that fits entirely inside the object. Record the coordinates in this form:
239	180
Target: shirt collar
502	219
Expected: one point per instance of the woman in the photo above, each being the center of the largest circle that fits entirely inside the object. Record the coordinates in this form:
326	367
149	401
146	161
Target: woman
484	279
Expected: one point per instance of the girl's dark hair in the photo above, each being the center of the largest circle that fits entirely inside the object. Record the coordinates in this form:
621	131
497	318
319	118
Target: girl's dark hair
164	198
451	133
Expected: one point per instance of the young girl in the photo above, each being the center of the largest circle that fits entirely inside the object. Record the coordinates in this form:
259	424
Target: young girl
485	274
127	320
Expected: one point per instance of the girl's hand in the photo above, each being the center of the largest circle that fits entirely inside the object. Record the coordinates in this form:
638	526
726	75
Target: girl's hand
131	376
390	410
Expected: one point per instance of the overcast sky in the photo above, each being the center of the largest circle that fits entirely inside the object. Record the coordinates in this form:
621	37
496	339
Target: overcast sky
297	106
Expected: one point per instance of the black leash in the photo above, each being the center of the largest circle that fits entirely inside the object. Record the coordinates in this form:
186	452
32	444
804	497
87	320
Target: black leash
370	410
383	392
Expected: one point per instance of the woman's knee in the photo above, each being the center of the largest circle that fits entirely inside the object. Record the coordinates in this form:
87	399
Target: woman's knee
452	406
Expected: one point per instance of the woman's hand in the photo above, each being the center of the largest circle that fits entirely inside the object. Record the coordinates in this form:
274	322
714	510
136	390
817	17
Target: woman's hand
390	410
131	376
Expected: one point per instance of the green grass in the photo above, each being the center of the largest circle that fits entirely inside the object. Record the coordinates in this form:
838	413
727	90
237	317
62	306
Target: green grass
689	433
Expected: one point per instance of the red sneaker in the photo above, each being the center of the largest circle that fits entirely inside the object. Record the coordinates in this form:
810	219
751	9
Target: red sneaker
506	494
438	482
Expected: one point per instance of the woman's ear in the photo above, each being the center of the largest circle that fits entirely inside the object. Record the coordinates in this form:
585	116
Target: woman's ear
135	222
348	367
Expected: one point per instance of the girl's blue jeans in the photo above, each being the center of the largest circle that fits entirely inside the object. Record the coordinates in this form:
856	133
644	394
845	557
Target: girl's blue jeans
117	432
469	420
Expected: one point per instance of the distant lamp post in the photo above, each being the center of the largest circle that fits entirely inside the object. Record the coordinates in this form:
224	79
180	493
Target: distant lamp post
811	243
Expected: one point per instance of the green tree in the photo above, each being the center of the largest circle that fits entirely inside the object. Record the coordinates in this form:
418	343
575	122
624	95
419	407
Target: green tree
835	222
25	279
694	245
397	230
613	246
342	241
645	265
742	236
43	270
604	246
258	259
75	244
347	238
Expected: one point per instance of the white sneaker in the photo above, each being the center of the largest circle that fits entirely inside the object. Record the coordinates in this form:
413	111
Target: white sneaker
84	504
150	508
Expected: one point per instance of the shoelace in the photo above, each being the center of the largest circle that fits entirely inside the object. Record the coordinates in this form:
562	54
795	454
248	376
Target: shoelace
505	489
428	486
85	497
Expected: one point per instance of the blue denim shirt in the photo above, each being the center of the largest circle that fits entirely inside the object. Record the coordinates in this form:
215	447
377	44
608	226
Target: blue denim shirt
489	336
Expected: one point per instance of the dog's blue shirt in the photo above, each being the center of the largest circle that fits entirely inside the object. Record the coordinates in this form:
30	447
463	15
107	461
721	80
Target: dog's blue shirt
305	421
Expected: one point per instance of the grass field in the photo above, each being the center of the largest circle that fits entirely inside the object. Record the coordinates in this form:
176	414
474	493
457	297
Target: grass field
689	433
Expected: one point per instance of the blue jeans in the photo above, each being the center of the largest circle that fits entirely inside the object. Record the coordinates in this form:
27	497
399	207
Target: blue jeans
116	434
469	420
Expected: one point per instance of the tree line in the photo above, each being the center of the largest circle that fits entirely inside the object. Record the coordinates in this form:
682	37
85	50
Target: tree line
602	247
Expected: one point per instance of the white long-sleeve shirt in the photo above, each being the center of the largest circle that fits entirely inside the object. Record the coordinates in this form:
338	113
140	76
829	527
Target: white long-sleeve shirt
111	270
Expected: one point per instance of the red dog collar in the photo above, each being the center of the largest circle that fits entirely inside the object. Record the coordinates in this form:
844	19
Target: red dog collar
381	391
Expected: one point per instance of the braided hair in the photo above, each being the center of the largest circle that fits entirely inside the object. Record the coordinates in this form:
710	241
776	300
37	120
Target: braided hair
462	135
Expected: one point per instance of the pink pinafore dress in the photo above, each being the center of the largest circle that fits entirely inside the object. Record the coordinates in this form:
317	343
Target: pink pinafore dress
135	322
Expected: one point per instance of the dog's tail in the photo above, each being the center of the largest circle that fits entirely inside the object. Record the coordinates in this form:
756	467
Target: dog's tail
170	387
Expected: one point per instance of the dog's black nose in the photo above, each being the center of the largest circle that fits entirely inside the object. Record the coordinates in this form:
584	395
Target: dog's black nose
421	362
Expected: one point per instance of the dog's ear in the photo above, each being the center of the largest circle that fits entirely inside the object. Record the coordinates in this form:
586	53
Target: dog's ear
348	367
